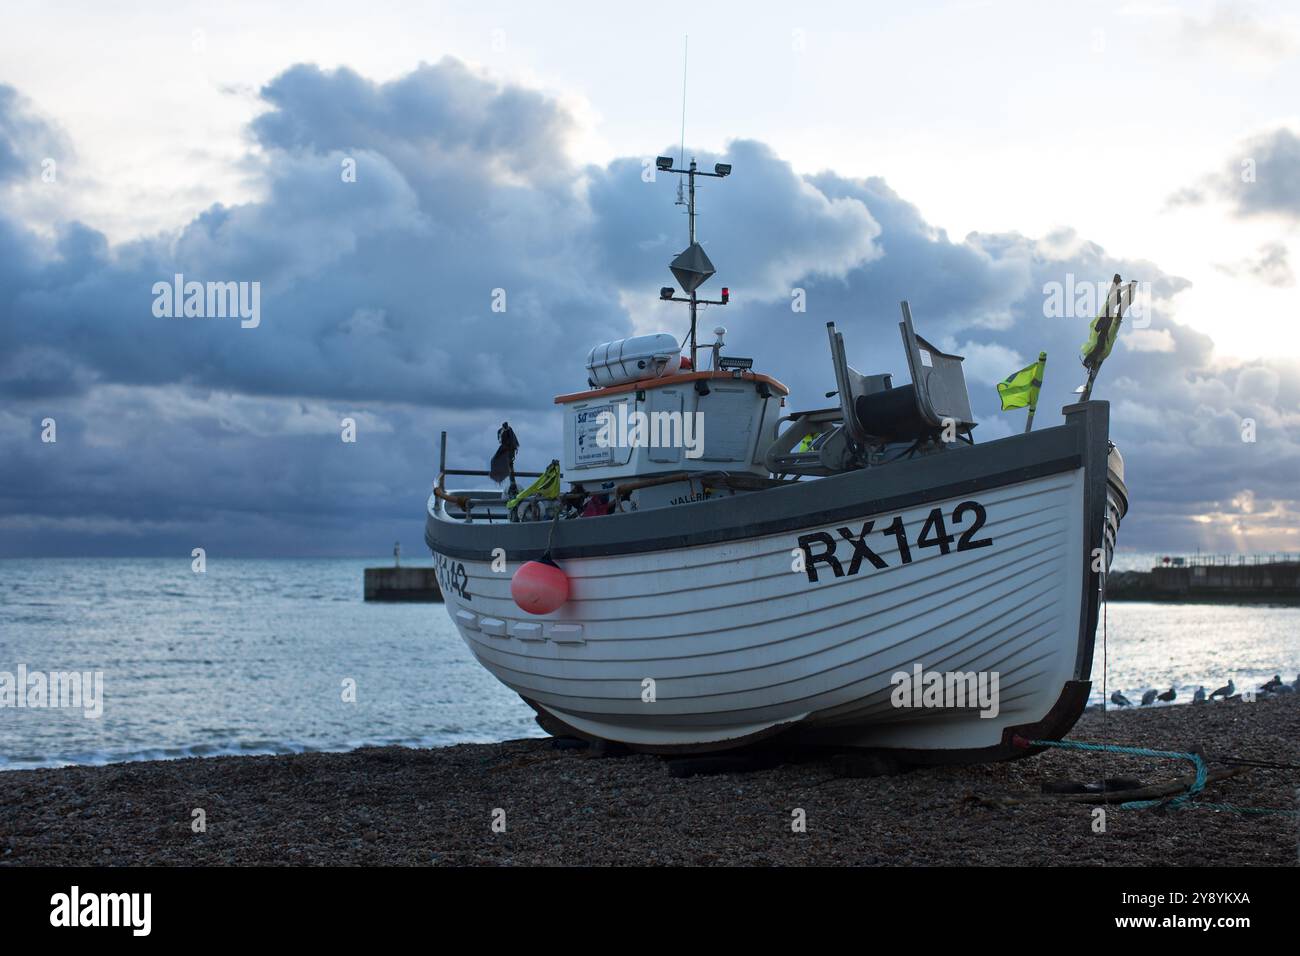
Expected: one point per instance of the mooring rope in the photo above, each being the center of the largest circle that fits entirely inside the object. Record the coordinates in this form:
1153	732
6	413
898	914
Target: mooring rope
1183	799
554	522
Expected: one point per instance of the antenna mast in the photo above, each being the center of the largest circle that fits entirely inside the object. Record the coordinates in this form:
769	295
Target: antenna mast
681	152
692	267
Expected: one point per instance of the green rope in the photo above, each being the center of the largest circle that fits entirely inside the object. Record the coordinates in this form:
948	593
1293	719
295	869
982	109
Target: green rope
1181	800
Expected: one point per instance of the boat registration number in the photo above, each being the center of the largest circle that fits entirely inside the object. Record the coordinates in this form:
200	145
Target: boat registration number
452	576
847	552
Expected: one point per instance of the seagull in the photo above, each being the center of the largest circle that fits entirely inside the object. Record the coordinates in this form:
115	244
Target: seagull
1168	695
1149	698
1199	696
1119	700
1274	684
1225	692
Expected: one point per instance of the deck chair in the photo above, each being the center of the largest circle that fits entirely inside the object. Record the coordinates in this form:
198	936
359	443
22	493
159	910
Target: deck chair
938	379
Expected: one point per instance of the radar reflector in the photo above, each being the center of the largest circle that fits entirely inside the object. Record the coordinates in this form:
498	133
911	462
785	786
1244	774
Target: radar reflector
692	268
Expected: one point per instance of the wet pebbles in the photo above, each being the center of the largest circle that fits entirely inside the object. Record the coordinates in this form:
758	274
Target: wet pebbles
573	806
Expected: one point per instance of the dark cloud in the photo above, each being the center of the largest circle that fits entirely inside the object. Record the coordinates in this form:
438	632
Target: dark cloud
1262	177
765	227
436	220
376	304
1273	184
437	124
26	139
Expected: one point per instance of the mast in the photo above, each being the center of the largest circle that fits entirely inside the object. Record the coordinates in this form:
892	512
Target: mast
681	150
692	268
690	221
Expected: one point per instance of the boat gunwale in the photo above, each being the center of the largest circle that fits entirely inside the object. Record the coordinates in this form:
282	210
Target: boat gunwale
799	505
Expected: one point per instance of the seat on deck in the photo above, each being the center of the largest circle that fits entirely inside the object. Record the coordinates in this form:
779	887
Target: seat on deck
938	379
872	413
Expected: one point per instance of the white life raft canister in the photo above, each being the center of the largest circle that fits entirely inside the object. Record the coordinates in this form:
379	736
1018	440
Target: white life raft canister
633	359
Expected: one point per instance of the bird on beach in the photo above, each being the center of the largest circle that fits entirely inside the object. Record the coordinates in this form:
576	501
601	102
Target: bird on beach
1272	685
1226	691
1199	696
1149	698
1168	695
1119	700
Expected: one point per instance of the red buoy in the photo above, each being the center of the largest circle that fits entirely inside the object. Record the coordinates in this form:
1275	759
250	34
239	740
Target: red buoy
539	587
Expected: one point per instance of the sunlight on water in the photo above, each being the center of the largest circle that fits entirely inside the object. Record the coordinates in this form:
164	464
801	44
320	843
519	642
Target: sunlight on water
247	658
1186	645
1189	645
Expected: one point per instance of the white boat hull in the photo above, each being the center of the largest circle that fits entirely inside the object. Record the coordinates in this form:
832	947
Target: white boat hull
715	645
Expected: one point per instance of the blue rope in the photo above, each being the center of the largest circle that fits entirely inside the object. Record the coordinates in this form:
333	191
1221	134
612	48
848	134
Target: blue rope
1198	784
1181	800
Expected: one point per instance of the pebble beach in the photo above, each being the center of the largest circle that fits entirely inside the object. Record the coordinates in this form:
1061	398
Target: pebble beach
530	802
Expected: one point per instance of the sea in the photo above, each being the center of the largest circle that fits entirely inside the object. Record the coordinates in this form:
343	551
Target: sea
284	656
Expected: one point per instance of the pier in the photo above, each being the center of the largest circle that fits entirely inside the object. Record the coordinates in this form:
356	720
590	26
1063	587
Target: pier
1266	579
401	584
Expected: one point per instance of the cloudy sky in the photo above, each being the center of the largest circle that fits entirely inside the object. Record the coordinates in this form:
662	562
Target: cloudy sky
966	156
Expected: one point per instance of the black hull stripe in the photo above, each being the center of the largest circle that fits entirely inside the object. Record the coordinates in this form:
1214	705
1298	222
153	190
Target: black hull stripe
439	541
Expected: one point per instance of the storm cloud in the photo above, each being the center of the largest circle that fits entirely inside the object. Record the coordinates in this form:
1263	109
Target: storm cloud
394	216
1262	178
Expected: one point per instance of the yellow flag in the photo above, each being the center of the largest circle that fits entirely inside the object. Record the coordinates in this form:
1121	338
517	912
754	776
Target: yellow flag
547	486
1020	389
1105	327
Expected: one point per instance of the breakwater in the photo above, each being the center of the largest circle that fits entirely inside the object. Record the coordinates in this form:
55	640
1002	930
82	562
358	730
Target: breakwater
401	584
1210	580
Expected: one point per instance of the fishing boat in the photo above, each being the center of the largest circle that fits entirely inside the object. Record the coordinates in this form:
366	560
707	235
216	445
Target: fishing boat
701	568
